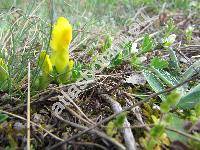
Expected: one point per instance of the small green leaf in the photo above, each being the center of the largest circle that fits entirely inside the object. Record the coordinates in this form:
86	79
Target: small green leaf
157	131
176	123
107	44
135	61
166	77
147	44
117	60
110	129
174	62
150	145
165	107
190	99
119	121
3	117
155	83
76	71
193	69
171	100
159	63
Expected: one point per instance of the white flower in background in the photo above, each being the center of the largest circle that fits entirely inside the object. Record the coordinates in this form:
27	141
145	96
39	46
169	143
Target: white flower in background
134	48
189	29
169	40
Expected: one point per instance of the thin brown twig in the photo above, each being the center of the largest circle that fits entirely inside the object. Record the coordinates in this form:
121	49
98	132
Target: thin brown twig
89	144
103	135
183	133
33	123
28	110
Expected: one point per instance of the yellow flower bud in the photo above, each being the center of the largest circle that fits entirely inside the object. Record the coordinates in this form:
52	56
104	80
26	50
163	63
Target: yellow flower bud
61	35
61	38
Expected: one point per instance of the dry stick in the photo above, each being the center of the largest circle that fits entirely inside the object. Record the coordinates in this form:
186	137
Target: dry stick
126	109
77	115
127	133
89	144
77	107
103	135
33	123
28	111
33	101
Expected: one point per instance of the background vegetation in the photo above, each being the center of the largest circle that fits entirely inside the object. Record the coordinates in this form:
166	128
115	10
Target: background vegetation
166	56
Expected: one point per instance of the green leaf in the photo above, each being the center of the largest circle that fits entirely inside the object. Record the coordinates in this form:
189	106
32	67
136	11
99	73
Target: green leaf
107	44
150	145
135	61
3	117
172	100
147	44
41	82
155	83
159	63
127	49
119	121
190	99
117	60
112	126
165	107
110	129
166	77
76	71
174	60
157	131
176	123
193	69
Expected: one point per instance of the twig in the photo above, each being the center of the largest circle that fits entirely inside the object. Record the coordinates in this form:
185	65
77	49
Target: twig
28	111
170	129
33	123
89	144
127	133
77	115
184	134
126	109
33	101
77	107
103	135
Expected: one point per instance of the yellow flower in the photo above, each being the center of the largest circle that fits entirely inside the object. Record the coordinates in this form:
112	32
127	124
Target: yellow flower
61	38
45	63
61	35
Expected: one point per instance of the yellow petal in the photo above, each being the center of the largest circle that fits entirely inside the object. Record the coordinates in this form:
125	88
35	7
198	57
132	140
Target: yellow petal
61	35
60	59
